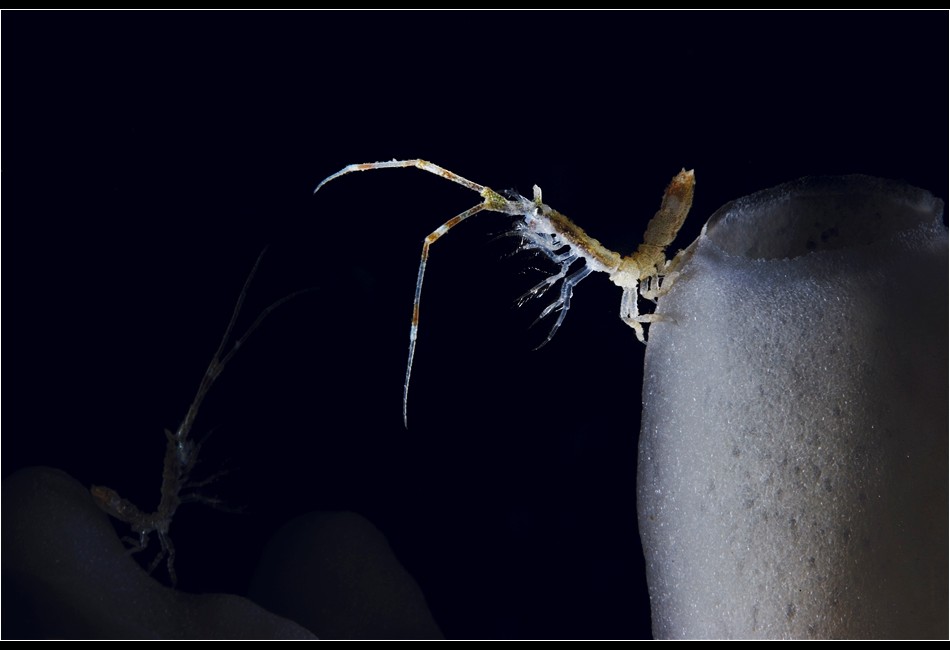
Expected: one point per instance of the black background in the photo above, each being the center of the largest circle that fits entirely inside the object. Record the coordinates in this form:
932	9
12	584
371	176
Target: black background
149	157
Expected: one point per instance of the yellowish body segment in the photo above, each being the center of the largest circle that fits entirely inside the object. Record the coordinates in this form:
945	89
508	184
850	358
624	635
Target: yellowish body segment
549	232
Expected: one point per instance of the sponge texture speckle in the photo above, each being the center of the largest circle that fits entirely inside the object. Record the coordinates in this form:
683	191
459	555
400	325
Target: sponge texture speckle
793	455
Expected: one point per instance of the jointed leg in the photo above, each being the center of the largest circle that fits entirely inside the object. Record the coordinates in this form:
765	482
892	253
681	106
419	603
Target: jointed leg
424	165
563	303
414	327
630	311
168	549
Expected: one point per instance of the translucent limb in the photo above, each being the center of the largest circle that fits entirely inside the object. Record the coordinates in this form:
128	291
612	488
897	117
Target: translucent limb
563	303
630	311
491	201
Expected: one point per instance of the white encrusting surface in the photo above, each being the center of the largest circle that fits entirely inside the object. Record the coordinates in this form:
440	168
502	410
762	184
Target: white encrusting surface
793	453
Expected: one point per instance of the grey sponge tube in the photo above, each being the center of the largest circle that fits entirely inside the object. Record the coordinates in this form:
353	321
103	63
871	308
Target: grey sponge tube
792	471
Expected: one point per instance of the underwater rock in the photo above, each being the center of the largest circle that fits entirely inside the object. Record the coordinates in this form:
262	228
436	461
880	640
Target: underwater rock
67	575
335	573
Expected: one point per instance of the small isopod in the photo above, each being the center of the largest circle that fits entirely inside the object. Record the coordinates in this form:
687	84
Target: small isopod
181	454
646	272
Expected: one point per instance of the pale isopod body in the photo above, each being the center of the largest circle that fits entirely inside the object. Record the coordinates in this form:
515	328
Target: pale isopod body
546	230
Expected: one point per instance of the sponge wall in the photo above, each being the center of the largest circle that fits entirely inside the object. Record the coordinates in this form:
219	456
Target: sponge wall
793	454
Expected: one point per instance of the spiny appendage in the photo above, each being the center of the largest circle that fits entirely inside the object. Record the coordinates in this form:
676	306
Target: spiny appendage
561	253
547	231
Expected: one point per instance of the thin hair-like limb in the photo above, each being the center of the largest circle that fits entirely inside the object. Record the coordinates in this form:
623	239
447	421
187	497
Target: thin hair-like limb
491	201
218	362
424	165
414	327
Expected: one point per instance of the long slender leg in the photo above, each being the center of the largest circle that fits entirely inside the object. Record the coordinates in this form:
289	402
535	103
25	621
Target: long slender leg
168	549
159	556
414	328
424	165
491	200
220	359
